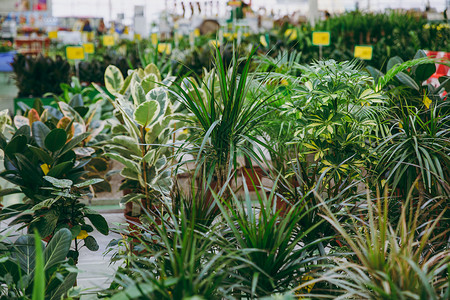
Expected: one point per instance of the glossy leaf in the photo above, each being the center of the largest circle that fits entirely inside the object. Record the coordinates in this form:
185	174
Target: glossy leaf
56	139
113	79
147	112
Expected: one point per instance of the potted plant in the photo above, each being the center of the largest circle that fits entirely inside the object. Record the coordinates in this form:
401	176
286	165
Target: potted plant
223	120
41	162
144	111
28	72
21	267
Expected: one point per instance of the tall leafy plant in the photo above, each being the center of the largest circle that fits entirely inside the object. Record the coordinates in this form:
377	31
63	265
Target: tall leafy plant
223	117
144	111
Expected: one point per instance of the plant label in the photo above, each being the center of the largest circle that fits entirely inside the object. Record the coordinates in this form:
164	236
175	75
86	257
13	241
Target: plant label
89	48
75	52
363	52
291	34
53	35
321	38
108	40
234	3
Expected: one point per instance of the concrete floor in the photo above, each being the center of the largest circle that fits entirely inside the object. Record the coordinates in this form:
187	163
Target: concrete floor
8	91
96	272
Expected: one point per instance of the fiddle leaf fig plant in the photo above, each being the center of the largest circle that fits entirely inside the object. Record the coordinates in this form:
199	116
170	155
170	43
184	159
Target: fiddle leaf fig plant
144	110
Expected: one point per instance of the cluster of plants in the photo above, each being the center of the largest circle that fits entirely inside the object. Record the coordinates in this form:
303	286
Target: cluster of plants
350	198
358	197
37	76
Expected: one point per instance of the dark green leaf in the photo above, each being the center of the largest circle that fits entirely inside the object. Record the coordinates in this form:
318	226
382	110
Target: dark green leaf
423	72
56	139
98	221
40	131
91	243
16	145
57	249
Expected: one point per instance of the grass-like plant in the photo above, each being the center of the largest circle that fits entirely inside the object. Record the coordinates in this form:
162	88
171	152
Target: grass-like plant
223	117
417	147
179	259
281	258
387	261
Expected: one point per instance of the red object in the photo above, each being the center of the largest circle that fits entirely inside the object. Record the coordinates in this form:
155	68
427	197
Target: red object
441	70
32	45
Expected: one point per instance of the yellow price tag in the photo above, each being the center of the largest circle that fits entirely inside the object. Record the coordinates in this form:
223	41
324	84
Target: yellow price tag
88	48
75	52
165	48
154	38
108	40
137	37
235	3
197	32
427	101
363	52
53	35
321	38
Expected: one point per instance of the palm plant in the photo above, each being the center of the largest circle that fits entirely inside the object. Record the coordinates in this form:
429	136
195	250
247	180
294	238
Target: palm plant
391	262
223	118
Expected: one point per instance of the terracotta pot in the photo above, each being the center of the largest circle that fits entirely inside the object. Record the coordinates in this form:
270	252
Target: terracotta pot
252	176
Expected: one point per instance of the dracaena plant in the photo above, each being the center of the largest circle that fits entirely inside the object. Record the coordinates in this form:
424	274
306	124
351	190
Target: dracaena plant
389	261
223	117
144	110
33	155
417	143
279	252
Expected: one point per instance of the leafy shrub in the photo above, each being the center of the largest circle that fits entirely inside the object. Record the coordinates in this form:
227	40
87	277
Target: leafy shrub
40	75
